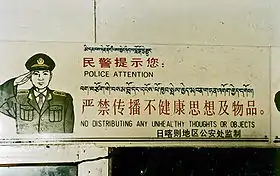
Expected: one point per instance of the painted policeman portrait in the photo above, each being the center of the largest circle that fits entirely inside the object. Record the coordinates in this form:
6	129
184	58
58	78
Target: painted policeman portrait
38	109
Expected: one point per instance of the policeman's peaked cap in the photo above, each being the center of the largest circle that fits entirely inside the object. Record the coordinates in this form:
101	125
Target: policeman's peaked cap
40	61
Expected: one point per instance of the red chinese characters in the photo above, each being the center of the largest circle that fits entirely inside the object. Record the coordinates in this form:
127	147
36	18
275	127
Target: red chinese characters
121	62
165	107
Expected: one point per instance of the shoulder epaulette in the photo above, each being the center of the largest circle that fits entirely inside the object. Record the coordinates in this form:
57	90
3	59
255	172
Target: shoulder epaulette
22	91
59	93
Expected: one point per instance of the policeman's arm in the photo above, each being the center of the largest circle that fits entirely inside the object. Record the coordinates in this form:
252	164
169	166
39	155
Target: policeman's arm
8	90
277	100
7	98
69	115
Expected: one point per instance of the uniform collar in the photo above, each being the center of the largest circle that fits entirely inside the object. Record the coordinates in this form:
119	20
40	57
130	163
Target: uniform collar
36	94
33	93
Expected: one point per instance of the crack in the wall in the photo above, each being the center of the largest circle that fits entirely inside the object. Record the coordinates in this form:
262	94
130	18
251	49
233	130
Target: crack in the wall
95	23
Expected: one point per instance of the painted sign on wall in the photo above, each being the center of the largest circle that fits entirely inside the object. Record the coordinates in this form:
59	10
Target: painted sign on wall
135	93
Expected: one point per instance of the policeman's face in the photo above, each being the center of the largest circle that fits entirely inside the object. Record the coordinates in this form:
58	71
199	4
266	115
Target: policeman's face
41	78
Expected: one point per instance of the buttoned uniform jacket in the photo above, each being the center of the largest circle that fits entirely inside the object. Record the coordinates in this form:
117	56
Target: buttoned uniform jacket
55	116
